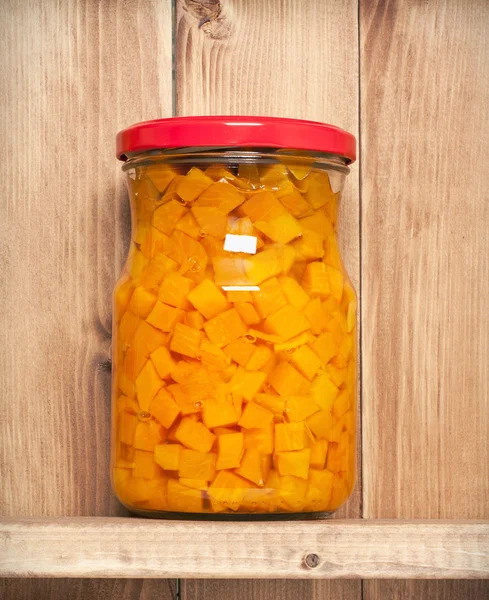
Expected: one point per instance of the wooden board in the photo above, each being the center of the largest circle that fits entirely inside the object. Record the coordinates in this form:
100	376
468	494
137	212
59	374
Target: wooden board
72	74
426	590
330	549
87	589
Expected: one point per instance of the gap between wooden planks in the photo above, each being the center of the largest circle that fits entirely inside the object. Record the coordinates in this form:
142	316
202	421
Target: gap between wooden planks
330	549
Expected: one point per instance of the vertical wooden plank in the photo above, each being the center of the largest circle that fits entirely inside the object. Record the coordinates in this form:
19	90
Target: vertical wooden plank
87	589
427	590
425	266
283	58
72	74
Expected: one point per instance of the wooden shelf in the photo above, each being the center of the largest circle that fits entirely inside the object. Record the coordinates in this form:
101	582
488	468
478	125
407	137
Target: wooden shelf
126	548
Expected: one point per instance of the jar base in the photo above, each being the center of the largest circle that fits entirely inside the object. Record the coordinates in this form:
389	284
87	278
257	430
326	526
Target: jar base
182	516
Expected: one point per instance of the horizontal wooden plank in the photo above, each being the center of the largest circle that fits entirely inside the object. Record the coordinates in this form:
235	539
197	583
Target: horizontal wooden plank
331	549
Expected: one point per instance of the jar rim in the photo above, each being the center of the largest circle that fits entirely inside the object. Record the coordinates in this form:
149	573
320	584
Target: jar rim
236	132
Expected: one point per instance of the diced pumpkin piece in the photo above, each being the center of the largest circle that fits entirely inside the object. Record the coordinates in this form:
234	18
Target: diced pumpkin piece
294	463
259	439
270	298
137	263
319	191
156	270
221	196
319	490
197	465
319	450
335	278
165	317
338	454
134	491
296	204
153	242
321	424
187	404
225	328
298	408
163	361
262	206
339	493
183	499
145	466
306	362
227	491
142	302
164	408
291	345
299	171
251	467
255	416
194	319
194	435
324	392
161	176
341	404
247	383
168	456
126	385
294	293
316	279
268	263
276	177
191	186
325	347
167	215
208	299
212	357
174	290
289	437
127	404
231	271
186	341
126	429
255	334
189	225
239	296
286	380
248	313
219	413
127	328
230	450
148	383
188	253
272	402
148	434
196	484
332	254
292	492
212	221
240	351
281	229
287	322
309	246
318	223
122	295
259	358
316	316
337	375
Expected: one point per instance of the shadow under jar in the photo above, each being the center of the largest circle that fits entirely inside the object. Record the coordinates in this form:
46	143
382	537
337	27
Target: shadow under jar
234	353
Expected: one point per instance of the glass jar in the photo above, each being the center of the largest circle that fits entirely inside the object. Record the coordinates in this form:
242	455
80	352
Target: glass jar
234	351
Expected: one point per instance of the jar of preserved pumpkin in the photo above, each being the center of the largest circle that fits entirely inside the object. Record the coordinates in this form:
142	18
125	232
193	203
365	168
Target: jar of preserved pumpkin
234	352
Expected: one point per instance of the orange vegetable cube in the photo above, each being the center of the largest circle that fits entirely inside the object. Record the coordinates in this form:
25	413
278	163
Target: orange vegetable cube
251	467
194	435
247	313
197	465
332	254
306	362
286	380
189	225
325	347
183	499
137	262
196	484
227	491
127	328
161	176
324	392
212	357
164	408
194	319
126	429
294	463
148	434
148	383
225	328
259	358
126	385
294	293
188	253
289	436
316	316
231	271
319	490
319	450
292	492
193	184
309	246
287	322
247	383
163	361
319	191
338	454
339	493
219	413
281	229
255	416
167	215
259	439
276	178
341	404
239	296
337	375
174	290
186	341
145	466
156	270
153	242
291	345
122	296
240	351
168	456
316	279
296	204
262	206
268	263
298	408
271	402
270	298
335	277
317	223
141	302
165	317
212	221
127	404
187	404
207	298
321	424
221	196
230	450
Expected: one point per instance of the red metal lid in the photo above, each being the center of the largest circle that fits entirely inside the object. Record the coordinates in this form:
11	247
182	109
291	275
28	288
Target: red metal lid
265	132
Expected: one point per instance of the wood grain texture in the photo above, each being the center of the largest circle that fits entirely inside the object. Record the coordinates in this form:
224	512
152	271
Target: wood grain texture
71	75
87	589
425	268
346	549
426	590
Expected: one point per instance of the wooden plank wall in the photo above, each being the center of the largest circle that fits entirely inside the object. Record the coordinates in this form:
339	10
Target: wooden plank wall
411	78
